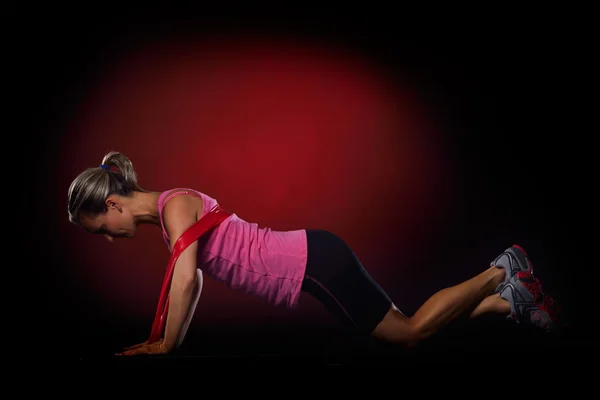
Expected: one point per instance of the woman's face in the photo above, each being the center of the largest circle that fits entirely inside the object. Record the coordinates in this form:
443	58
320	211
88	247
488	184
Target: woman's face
116	222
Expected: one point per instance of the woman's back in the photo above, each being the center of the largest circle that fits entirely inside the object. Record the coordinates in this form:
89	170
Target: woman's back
259	261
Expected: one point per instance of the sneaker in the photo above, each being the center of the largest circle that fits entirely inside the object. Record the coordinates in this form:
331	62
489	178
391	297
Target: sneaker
513	260
529	304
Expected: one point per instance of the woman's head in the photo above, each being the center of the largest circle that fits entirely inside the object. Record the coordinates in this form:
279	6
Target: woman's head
96	197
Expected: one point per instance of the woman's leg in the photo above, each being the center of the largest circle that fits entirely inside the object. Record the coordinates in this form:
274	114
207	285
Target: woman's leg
440	309
491	304
508	288
335	276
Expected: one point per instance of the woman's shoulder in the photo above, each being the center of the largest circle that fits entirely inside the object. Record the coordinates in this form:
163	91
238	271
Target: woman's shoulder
182	197
168	194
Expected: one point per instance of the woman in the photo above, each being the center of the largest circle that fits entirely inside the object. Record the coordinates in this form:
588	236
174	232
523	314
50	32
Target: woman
278	265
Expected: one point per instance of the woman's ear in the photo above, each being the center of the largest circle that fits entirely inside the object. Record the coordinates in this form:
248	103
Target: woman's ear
112	202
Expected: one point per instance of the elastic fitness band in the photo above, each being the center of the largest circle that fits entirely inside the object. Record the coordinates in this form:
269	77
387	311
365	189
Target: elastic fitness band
213	218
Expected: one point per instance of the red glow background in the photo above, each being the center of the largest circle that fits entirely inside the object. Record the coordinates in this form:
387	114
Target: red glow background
285	134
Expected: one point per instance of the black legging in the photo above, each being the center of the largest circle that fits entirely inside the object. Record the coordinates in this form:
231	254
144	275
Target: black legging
335	276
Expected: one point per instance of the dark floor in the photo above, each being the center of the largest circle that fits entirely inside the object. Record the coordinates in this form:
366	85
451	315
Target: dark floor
483	342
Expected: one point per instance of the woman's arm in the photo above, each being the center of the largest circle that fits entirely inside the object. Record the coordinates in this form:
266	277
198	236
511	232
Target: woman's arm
180	213
190	315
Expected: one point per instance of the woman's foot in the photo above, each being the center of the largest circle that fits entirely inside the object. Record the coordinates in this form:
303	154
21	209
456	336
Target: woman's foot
513	260
529	304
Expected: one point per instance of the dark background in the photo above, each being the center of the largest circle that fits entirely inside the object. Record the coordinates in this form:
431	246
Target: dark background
508	76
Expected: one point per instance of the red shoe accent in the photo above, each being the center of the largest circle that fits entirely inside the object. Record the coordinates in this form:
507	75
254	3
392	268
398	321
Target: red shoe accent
532	284
543	301
520	248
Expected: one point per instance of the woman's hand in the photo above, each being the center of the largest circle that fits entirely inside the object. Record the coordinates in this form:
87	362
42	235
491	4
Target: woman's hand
157	347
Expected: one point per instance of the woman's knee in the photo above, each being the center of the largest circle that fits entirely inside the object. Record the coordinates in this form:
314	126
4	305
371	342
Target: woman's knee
399	329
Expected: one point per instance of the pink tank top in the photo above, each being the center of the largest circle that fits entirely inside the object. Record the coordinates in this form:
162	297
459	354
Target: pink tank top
259	261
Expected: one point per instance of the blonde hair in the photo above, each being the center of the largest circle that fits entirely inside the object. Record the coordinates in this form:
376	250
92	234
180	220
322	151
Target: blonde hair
89	190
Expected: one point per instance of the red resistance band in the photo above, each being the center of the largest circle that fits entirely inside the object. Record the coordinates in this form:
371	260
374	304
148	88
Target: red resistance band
214	217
